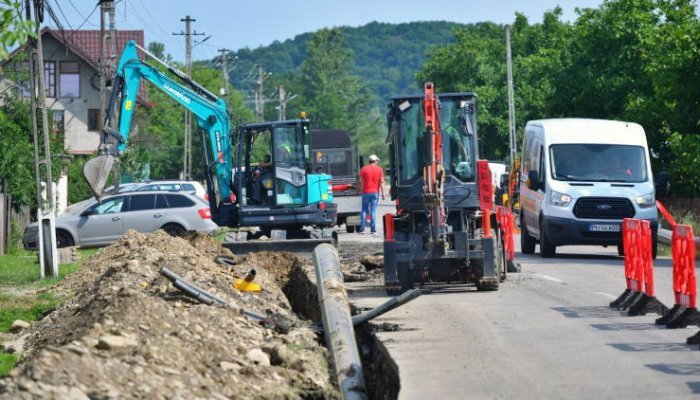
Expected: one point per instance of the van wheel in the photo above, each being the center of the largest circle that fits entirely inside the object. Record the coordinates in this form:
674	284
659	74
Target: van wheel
547	249
527	242
349	228
621	250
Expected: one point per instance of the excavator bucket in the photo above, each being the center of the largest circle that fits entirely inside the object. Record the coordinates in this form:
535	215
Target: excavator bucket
96	172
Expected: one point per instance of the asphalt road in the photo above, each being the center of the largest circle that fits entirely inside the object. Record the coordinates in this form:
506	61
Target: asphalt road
546	334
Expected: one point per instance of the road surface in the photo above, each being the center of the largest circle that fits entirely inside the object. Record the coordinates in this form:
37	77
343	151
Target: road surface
547	333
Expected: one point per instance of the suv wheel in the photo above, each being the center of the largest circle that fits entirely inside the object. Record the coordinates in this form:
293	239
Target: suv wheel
173	229
64	239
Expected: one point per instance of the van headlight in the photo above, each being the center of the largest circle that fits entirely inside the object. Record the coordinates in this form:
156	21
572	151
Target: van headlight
559	199
646	201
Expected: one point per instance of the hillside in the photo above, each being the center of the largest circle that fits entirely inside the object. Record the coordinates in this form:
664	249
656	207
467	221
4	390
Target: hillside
387	56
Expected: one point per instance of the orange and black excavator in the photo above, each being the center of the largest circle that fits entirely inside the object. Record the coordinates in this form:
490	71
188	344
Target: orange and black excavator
443	230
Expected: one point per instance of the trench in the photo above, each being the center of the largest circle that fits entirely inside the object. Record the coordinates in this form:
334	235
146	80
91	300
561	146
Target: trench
380	371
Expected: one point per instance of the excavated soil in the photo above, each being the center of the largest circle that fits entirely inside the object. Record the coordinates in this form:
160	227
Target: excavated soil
126	332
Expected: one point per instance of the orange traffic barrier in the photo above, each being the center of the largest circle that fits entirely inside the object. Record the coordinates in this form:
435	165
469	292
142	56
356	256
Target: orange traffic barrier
639	272
667	215
505	219
684	312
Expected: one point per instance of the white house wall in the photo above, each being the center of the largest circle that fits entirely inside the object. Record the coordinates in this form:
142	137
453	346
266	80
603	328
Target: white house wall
77	139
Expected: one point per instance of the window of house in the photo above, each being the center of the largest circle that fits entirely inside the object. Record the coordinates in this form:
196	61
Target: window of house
50	78
93	120
69	80
58	122
49	81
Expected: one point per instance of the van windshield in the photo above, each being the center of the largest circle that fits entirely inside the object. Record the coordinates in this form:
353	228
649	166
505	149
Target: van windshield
598	163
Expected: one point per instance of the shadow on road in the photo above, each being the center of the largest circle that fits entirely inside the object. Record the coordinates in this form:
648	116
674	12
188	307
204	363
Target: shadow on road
627	327
694	387
587	312
678	369
651	347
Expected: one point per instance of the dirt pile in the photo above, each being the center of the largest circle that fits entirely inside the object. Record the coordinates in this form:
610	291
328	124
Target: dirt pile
128	333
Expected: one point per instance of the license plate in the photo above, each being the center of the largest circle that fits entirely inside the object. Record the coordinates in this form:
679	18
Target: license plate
604	228
353	220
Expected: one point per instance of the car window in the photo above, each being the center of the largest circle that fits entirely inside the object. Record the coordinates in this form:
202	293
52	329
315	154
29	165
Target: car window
175	201
161	202
141	202
109	206
146	188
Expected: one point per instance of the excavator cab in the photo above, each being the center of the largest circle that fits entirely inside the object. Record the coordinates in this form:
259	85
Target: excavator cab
275	155
273	184
438	233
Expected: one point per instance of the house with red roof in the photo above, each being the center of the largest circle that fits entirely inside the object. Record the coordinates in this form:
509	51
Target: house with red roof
72	80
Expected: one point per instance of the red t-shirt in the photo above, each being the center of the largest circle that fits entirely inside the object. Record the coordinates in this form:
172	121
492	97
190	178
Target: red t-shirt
371	178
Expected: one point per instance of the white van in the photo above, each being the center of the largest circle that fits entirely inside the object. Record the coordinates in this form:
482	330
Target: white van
580	178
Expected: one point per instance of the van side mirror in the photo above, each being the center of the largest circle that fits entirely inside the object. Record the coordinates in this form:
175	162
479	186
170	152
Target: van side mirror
533	180
661	184
87	212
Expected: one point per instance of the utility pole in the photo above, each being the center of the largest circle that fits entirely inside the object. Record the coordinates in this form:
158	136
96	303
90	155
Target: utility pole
48	255
224	70
107	45
187	151
283	104
259	96
511	102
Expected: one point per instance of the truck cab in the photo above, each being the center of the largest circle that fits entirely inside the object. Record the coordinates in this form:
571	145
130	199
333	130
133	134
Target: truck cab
333	154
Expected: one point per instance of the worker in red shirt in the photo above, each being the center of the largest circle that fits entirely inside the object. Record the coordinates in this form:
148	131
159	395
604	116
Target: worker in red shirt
371	182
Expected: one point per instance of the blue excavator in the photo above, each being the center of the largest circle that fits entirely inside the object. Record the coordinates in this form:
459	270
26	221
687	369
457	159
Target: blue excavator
256	187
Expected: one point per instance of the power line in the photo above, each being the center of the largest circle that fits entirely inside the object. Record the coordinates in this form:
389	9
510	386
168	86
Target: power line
61	11
155	21
77	10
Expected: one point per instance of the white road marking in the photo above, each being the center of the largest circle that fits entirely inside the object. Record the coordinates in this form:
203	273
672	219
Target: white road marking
549	278
608	295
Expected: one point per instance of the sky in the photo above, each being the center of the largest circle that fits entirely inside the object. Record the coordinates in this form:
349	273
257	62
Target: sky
234	24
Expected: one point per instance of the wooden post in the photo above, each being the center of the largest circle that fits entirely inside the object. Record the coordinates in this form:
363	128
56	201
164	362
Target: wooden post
3	215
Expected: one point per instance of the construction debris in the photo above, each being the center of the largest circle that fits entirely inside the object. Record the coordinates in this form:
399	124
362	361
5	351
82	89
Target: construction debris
127	332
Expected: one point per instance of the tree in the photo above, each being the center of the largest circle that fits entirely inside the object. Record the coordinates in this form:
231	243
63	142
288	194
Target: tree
333	96
14	29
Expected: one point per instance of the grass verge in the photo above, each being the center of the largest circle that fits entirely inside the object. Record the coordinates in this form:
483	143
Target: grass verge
22	269
19	277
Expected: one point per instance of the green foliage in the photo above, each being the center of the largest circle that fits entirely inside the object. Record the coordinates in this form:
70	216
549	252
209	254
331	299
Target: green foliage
14	30
683	163
632	60
386	57
17	151
333	96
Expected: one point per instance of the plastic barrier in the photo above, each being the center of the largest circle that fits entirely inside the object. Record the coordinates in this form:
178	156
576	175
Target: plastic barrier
630	272
667	215
505	219
684	312
638	298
